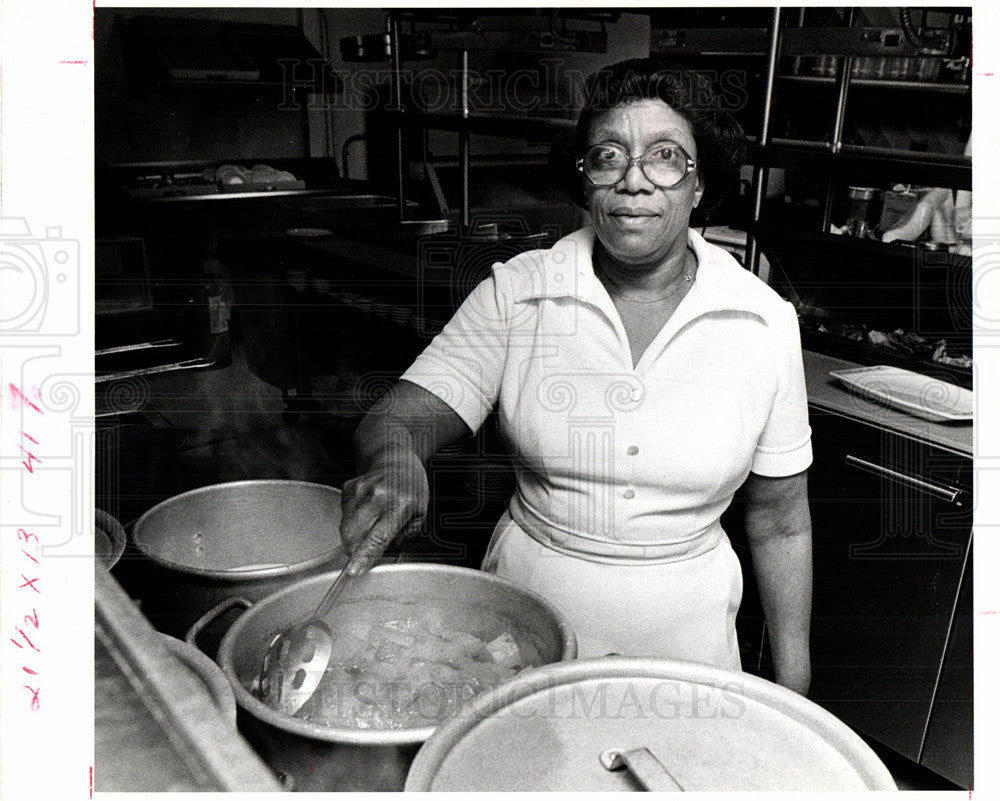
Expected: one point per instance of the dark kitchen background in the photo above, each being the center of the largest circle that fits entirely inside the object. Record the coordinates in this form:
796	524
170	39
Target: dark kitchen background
292	202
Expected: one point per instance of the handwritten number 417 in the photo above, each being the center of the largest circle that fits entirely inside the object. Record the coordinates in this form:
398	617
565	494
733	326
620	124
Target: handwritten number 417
19	399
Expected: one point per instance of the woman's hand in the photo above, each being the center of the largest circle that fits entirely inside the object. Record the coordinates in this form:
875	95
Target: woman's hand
392	444
376	507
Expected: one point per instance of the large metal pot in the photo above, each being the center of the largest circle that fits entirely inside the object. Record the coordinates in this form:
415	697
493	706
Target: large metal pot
316	757
243	538
622	723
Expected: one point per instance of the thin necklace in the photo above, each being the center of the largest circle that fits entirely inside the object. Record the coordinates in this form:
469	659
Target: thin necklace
688	278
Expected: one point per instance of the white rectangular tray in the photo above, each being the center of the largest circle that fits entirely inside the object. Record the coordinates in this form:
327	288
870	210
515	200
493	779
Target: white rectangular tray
925	397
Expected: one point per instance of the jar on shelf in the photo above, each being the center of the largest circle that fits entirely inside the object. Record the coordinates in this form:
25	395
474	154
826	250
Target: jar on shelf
859	210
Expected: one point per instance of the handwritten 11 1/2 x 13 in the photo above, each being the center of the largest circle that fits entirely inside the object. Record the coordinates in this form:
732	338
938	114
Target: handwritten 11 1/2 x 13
26	635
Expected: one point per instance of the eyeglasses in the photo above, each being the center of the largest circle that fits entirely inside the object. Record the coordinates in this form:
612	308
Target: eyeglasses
663	165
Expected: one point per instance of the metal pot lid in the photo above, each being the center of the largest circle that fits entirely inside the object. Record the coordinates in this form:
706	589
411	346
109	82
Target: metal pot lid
572	726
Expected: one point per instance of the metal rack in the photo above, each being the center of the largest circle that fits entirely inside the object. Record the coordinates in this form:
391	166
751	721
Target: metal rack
766	152
835	156
465	122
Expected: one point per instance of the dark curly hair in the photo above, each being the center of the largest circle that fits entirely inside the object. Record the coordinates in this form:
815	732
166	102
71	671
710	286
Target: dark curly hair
718	136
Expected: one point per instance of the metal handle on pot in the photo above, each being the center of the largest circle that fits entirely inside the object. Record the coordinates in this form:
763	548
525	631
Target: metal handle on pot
212	615
645	767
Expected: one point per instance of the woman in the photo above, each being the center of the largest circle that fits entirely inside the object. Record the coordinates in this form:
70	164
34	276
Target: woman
641	376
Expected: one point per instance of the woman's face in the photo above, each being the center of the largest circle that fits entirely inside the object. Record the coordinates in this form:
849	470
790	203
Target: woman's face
638	223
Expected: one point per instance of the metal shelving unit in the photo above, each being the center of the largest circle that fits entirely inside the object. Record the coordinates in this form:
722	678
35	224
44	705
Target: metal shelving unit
782	46
513	125
881	83
463	120
927	169
835	157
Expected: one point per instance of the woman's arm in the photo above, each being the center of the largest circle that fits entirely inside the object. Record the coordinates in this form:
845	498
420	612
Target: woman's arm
392	446
779	532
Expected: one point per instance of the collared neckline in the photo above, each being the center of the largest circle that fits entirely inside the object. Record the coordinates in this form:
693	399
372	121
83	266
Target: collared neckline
567	270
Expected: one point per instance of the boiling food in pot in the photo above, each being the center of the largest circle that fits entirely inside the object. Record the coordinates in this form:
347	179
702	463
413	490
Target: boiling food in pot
411	668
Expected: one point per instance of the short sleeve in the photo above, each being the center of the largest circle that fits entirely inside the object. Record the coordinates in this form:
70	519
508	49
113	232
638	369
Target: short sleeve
464	364
785	445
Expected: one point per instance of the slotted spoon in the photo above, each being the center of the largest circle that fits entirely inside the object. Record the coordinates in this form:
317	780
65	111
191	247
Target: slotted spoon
299	655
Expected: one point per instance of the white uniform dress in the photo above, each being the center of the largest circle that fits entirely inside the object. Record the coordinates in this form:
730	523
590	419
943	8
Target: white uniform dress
622	472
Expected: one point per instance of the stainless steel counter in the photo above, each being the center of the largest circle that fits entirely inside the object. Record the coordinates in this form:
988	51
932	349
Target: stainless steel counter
157	725
828	394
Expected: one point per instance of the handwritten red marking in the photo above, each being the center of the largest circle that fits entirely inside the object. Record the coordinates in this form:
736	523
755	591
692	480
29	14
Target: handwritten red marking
73	62
309	760
25	636
92	767
24	535
34	697
991	612
31	458
22	399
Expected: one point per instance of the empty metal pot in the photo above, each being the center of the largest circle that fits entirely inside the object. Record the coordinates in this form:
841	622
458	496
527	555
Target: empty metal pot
243	538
